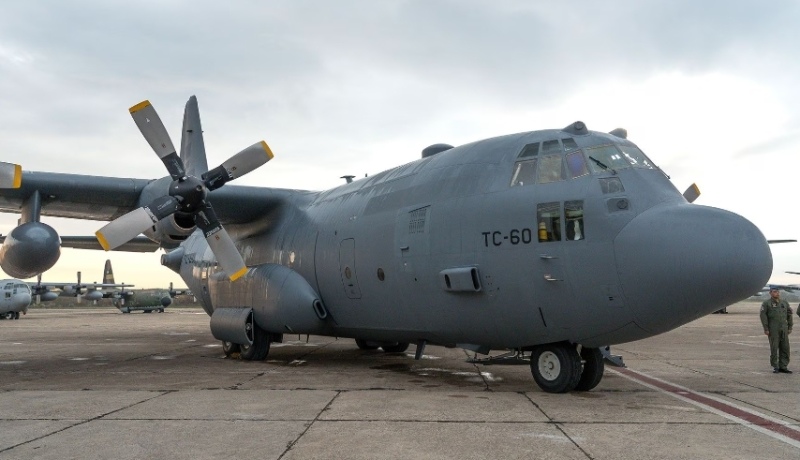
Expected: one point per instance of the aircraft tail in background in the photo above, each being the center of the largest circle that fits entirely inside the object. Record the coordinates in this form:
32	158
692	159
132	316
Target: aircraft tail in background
108	273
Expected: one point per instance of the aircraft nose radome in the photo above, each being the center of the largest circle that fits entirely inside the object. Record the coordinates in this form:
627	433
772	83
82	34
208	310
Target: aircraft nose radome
678	263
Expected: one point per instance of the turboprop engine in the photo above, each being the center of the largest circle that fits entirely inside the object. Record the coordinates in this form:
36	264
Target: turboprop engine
30	249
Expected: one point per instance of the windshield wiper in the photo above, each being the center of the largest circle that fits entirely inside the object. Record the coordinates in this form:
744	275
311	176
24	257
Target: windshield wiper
601	164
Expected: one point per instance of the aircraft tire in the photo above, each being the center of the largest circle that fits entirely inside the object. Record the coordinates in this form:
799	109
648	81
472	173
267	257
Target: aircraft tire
593	368
395	348
16	315
259	349
556	367
230	348
364	345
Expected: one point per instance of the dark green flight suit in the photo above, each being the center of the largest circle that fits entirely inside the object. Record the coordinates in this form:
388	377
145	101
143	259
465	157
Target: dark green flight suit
776	317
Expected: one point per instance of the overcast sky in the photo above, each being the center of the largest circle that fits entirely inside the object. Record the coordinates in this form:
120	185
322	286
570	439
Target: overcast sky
709	90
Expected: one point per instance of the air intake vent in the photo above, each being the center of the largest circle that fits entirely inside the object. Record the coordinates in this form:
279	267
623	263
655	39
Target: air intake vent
417	220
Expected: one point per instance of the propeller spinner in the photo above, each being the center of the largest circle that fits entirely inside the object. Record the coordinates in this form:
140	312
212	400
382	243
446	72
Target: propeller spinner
187	194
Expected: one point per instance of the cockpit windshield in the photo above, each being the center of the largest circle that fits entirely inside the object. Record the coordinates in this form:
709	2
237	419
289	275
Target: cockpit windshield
614	157
560	160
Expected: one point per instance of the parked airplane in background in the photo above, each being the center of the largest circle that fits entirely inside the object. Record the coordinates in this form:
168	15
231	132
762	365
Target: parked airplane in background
552	243
87	291
15	297
148	300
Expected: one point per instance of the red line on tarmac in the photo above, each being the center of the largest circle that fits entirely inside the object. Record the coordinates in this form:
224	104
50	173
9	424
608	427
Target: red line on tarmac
749	417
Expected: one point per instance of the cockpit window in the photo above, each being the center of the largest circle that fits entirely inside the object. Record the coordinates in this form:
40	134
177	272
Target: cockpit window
610	158
551	169
524	173
576	164
636	157
530	150
551	146
606	158
569	144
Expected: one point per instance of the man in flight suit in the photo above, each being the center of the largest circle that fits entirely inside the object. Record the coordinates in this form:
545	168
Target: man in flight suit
776	317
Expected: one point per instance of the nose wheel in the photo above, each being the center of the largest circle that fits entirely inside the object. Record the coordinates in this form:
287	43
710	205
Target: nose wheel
556	367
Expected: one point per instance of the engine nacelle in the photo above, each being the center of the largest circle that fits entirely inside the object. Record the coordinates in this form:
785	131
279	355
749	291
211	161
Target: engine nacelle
166	301
93	295
171	231
281	299
48	296
30	249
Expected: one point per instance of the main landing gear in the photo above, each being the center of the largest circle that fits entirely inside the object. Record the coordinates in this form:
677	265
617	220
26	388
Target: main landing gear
10	315
388	347
559	367
255	351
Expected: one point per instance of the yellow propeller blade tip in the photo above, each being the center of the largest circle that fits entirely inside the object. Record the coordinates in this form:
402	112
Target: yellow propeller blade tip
238	274
17	176
102	240
268	150
139	106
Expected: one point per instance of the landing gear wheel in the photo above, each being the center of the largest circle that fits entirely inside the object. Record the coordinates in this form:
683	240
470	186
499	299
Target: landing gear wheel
16	315
593	368
364	345
556	367
230	348
259	349
395	348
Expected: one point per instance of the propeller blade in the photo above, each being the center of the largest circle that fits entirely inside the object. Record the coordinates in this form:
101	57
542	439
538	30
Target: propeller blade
691	193
10	175
156	135
127	227
238	165
221	243
193	150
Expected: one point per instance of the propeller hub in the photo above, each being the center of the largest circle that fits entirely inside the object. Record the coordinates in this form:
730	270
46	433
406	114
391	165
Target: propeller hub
190	192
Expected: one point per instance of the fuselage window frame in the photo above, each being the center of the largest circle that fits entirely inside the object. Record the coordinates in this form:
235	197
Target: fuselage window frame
548	218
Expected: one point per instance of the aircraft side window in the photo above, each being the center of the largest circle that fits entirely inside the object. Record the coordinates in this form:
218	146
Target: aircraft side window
530	150
576	164
551	169
611	185
573	216
569	144
524	173
8	295
548	216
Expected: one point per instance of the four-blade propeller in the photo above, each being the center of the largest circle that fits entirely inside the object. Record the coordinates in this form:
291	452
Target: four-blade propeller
187	194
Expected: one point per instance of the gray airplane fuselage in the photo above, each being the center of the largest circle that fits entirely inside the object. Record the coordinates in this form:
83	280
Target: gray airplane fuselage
479	246
15	297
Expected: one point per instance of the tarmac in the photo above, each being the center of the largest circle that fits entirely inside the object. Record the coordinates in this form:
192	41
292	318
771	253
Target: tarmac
93	383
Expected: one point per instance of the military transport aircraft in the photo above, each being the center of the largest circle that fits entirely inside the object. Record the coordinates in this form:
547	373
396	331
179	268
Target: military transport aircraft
15	298
88	291
147	300
551	243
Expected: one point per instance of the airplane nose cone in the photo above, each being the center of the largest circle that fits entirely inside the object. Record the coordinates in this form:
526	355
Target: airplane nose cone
679	263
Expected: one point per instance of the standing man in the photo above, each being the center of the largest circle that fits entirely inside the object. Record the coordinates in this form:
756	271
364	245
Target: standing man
776	317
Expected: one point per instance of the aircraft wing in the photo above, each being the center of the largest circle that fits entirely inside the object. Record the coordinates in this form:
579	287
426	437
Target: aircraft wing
75	286
76	196
107	198
138	244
